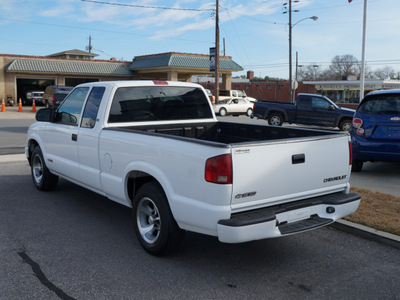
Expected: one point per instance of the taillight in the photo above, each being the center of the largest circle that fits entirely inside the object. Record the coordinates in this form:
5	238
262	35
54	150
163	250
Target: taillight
160	82
358	125
219	169
54	100
350	154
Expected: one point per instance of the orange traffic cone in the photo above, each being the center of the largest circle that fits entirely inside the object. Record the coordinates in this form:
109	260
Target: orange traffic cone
3	105
20	106
33	105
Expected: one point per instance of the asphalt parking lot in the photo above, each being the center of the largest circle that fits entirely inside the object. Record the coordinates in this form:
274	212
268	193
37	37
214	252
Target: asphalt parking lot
74	244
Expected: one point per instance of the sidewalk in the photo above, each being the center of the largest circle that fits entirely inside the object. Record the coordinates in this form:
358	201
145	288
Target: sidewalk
12	112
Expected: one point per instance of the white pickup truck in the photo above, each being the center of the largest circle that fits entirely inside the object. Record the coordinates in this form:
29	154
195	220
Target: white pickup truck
158	148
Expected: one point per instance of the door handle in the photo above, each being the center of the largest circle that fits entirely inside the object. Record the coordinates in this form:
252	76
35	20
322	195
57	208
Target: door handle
74	137
298	159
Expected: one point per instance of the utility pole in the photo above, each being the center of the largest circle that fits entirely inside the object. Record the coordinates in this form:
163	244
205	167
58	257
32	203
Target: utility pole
217	52
90	47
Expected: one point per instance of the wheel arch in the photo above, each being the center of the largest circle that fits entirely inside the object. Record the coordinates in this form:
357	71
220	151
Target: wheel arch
278	111
31	144
140	173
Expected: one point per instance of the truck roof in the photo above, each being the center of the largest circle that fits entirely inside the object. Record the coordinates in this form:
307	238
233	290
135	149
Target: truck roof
125	83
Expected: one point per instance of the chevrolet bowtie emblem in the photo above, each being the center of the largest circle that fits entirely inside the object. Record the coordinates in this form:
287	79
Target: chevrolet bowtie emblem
395	119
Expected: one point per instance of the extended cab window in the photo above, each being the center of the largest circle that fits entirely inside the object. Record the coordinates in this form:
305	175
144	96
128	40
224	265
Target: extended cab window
70	110
92	107
156	103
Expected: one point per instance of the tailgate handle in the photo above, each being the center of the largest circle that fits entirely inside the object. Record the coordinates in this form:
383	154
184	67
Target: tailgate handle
298	159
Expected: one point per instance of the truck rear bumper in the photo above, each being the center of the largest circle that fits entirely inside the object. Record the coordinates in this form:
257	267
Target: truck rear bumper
288	218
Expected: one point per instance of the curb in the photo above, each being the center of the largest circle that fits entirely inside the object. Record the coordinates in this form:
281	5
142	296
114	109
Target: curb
367	232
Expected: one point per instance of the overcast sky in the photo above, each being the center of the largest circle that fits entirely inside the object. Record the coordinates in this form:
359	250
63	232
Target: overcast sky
255	32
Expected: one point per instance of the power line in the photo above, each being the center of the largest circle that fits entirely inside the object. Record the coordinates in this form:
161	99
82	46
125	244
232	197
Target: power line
148	6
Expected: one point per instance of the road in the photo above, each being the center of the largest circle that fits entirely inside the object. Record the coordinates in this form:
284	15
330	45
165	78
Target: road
74	243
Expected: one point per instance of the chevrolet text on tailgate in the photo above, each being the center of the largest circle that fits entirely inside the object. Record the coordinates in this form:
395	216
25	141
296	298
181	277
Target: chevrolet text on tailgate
158	148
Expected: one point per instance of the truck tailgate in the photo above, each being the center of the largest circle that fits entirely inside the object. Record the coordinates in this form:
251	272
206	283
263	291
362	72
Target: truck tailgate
289	170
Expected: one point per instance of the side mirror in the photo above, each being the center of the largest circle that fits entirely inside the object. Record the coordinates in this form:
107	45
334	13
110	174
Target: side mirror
44	115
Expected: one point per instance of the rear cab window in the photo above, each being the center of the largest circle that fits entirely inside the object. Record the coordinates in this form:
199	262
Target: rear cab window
159	103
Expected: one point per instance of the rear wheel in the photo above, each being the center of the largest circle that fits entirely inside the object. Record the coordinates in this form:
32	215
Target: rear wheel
222	112
357	165
249	112
41	176
275	119
155	227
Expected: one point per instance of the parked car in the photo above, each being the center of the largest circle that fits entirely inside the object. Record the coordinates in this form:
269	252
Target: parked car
233	106
375	133
37	95
309	109
48	99
210	95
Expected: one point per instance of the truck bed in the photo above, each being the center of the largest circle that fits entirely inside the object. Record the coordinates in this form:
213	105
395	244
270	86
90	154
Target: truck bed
227	133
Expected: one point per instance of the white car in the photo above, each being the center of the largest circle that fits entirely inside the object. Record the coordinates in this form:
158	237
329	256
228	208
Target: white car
233	106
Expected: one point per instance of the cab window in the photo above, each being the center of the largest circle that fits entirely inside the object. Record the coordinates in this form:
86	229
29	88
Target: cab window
70	110
320	103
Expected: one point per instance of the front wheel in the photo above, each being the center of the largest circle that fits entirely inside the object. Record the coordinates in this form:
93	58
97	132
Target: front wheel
155	227
275	119
345	125
41	176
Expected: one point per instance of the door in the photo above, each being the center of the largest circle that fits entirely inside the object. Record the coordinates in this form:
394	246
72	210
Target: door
62	136
322	112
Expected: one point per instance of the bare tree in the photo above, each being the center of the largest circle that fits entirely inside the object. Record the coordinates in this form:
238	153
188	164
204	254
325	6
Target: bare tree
309	72
342	66
385	72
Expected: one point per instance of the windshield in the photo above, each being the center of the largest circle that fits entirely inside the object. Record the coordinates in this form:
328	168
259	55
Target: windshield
381	104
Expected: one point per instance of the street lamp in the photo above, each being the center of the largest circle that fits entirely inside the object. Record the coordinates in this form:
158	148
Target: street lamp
314	18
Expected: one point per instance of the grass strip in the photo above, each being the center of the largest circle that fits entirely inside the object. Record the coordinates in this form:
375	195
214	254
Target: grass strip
377	210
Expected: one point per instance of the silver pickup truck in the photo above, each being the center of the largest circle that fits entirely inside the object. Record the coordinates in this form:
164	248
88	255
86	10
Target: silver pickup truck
158	148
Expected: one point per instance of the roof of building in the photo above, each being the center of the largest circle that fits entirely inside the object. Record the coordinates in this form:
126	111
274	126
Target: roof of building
64	66
181	60
74	52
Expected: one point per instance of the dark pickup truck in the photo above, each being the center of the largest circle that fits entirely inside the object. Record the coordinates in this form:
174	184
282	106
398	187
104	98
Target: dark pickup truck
308	109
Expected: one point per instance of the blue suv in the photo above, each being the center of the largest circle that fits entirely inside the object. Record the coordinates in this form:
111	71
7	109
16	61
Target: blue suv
375	132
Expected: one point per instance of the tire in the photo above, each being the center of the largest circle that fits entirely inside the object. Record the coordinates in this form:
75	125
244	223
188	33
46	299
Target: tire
357	165
223	112
249	112
41	176
155	227
345	125
275	119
